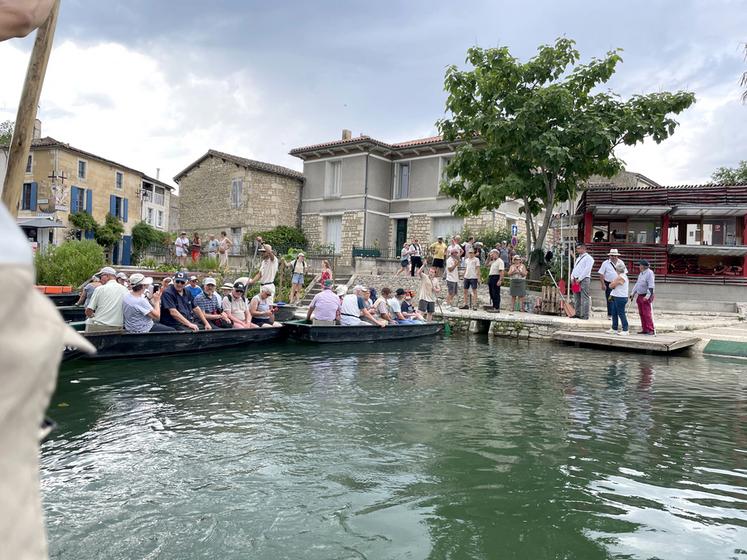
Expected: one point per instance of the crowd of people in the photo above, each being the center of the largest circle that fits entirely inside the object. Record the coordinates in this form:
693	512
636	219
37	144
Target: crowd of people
184	248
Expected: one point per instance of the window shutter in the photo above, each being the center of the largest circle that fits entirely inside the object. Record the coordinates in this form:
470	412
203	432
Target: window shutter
112	205
34	190
89	201
124	210
73	200
126	248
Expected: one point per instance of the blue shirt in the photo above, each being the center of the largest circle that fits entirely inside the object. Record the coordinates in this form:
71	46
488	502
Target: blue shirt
171	299
208	304
194	292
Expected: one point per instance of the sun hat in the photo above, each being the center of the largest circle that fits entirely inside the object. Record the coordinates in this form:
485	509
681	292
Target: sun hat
148	280
136	279
107	270
122	275
208	282
300	255
341	290
227	286
358	287
613	253
516	257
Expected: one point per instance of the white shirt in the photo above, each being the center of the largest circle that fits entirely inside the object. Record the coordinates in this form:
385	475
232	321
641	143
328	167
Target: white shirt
268	269
182	244
470	267
608	270
496	267
427	285
584	264
622	289
394	306
452	275
106	302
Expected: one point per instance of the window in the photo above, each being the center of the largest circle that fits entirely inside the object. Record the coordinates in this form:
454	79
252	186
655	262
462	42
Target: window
149	217
402	180
237	186
77	200
160	219
118	180
235	240
26	197
117	207
29	163
158	196
333	179
447	226
82	168
333	232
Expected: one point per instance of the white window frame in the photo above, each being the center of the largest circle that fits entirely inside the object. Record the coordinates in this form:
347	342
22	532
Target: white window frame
30	164
150	218
159	196
85	169
159	223
121	183
397	193
237	188
333	179
326	231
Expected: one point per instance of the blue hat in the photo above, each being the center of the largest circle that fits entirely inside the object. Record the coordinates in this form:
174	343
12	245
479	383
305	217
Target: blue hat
180	277
643	262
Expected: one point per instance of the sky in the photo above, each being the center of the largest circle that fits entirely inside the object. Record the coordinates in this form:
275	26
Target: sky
155	84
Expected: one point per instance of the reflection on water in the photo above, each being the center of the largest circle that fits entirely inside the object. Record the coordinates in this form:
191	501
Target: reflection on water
447	448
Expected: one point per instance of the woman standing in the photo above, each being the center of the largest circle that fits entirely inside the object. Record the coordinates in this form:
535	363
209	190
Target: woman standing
298	269
404	259
620	287
326	272
518	274
196	248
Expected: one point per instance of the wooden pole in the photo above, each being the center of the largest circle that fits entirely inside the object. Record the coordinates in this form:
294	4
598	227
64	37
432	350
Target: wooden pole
24	126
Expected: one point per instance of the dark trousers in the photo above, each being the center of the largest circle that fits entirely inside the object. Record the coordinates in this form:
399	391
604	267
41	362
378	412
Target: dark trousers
494	288
618	312
415	263
608	299
158	327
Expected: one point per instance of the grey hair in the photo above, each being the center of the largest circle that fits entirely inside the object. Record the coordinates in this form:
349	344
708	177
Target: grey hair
620	267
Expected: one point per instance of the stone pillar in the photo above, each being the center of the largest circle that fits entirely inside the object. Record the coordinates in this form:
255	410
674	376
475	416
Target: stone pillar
352	234
311	224
419	227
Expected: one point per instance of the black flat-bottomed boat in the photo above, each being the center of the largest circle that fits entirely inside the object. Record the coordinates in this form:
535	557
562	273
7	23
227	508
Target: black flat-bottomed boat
64	299
137	345
302	330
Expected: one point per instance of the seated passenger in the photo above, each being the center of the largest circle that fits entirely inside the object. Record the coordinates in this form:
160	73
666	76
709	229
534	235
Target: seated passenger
408	310
354	307
395	306
261	308
325	307
237	308
177	310
381	307
211	305
193	287
139	315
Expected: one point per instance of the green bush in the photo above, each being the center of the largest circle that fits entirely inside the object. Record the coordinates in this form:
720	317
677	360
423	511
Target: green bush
149	262
281	238
206	264
71	263
144	235
110	233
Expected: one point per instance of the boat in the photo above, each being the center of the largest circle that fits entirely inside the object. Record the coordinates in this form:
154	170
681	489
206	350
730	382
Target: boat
137	345
285	312
65	299
72	313
305	331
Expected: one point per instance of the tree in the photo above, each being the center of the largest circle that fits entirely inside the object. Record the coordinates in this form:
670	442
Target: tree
731	175
6	132
109	233
144	235
534	131
82	221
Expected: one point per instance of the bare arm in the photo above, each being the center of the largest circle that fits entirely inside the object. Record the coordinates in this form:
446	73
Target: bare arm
366	313
201	315
182	319
155	313
19	18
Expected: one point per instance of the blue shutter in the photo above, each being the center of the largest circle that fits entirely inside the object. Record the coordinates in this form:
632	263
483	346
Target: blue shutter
126	248
34	190
124	210
88	234
74	199
89	201
112	205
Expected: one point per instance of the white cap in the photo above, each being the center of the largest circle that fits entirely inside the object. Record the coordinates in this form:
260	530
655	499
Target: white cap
136	279
107	270
208	280
358	287
193	277
341	289
122	275
148	280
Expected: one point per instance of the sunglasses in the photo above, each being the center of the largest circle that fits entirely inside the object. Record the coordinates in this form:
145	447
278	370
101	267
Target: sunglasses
180	281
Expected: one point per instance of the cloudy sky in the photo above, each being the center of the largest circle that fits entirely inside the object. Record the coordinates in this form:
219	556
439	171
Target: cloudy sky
154	84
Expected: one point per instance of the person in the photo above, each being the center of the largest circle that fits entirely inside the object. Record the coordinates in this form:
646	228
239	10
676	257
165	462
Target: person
619	295
181	246
599	236
643	293
237	308
381	306
607	273
408	310
353	307
428	291
471	276
438	250
395	306
324	309
261	309
226	289
104	311
416	256
326	272
517	272
212	247
495	278
452	276
122	279
455	248
298	269
138	314
177	309
404	259
504	254
211	305
581	274
478	247
224	246
196	248
268	269
469	245
87	291
193	287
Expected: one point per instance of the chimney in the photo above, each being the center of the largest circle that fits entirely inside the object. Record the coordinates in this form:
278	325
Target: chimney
37	129
346	134
158	173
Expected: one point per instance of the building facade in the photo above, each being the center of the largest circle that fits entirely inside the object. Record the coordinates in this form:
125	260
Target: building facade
364	192
223	192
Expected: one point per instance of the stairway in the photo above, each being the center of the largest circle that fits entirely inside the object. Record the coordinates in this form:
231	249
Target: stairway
317	287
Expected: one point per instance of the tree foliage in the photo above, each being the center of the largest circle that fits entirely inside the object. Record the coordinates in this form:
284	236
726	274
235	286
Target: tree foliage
535	130
109	233
6	132
144	235
731	175
281	238
83	221
71	263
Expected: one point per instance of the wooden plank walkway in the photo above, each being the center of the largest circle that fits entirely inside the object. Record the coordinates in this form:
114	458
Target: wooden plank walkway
664	343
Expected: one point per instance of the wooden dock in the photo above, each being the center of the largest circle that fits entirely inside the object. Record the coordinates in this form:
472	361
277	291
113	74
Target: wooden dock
664	343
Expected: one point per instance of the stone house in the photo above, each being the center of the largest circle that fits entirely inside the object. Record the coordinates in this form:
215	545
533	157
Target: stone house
61	180
222	192
364	192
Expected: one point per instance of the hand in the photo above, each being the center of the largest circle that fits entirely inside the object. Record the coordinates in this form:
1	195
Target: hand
382	324
647	297
226	318
251	281
208	326
194	327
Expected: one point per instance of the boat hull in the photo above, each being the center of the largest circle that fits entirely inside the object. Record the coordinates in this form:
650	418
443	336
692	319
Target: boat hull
285	313
72	312
311	333
64	299
137	345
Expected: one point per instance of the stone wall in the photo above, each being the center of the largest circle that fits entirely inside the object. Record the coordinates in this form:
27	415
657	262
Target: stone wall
419	227
352	234
311	224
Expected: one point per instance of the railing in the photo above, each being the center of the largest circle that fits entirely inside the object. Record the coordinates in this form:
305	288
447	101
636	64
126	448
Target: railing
631	253
370	252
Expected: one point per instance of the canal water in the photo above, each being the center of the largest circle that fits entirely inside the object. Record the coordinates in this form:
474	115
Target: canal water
448	448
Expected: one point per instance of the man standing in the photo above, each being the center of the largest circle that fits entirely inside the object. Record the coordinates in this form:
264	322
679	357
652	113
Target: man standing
581	274
607	273
224	245
438	250
416	256
643	292
268	269
210	304
452	276
471	276
495	278
504	253
177	310
212	247
181	246
104	311
325	307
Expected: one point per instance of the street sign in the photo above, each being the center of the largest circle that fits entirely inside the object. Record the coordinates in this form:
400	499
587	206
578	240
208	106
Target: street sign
514	230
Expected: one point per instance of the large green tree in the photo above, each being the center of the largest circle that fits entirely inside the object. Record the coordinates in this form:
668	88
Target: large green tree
535	130
731	175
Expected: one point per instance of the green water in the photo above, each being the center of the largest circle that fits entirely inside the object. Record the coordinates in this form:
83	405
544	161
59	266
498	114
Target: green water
447	448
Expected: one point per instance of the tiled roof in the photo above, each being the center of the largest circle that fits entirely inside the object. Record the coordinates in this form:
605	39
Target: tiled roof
368	139
612	186
250	163
419	142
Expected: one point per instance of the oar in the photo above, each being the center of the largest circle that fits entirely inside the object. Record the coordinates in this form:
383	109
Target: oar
447	326
570	311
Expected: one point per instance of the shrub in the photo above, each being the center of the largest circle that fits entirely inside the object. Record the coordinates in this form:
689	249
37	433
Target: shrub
281	238
71	263
144	235
207	264
149	262
110	233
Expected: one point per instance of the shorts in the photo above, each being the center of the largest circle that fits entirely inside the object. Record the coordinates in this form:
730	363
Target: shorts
426	306
403	263
470	283
438	263
453	287
297	278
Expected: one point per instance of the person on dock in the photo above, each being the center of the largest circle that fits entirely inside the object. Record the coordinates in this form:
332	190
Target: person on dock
581	275
104	311
353	308
193	287
181	248
298	269
212	306
195	248
643	293
324	309
404	259
261	309
607	273
87	291
619	288
455	247
471	277
177	309
416	256
517	272
495	278
237	308
212	247
268	269
438	251
504	254
224	246
326	273
452	276
428	291
138	313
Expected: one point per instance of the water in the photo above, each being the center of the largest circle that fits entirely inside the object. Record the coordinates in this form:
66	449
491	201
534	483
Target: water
447	448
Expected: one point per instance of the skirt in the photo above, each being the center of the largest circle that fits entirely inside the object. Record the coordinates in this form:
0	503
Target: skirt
518	287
